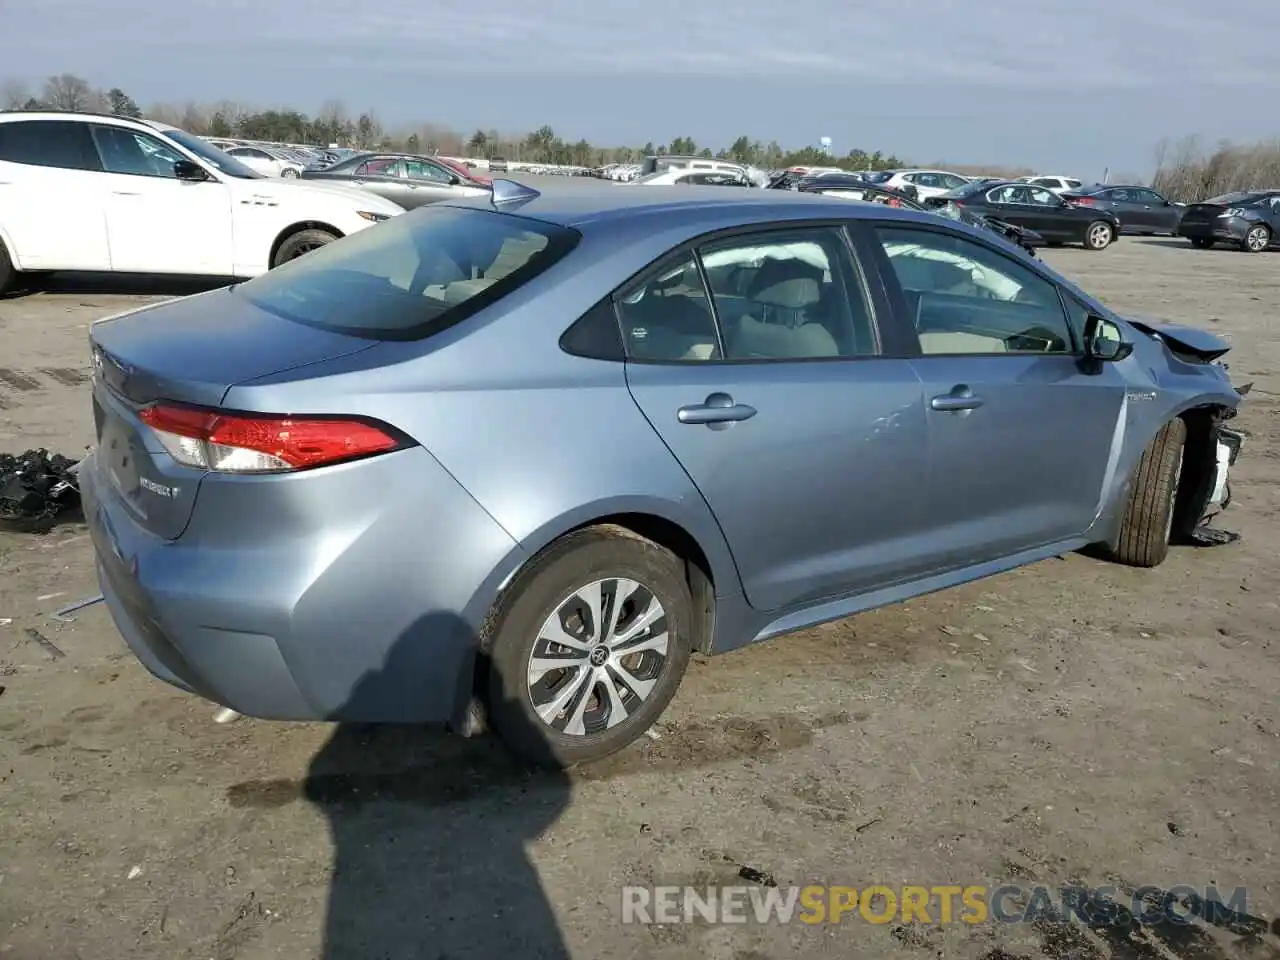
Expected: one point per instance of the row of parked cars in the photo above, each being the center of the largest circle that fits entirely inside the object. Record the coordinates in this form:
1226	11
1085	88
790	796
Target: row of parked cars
104	193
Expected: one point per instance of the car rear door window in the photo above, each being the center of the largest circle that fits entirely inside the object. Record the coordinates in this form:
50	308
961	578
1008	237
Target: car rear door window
413	275
789	295
666	317
966	298
62	144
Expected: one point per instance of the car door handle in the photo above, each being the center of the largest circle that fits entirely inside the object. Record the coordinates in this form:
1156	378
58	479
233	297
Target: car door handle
960	398
717	408
124	193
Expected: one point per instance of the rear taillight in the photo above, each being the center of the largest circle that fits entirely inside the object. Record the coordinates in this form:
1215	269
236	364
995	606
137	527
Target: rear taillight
252	443
1081	201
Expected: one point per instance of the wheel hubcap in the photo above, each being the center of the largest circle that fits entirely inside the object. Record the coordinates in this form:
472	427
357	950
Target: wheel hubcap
598	657
1099	235
1257	238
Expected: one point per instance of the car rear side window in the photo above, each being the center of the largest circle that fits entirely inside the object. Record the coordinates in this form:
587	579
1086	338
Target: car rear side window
62	144
413	275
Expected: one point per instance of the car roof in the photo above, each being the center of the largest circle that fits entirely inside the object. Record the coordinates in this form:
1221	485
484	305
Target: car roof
75	115
577	204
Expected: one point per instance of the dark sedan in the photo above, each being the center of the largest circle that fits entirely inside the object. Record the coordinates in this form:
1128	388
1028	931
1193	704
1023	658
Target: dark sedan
1035	208
855	188
1248	219
409	180
1141	210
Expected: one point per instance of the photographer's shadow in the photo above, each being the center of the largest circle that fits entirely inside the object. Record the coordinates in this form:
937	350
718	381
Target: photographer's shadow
429	834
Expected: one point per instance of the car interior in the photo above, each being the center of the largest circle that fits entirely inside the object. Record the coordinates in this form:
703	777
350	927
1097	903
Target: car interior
771	304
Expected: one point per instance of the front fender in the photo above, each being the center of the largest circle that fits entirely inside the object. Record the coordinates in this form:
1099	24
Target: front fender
1142	424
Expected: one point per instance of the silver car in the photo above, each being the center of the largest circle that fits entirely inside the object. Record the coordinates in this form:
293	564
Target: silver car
411	181
514	459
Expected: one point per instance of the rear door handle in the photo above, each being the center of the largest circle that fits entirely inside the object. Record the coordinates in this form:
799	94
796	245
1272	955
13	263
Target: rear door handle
717	408
960	398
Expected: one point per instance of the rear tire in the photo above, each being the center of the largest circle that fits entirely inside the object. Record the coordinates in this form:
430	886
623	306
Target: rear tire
1257	239
1099	235
298	244
605	703
288	173
1201	243
1148	517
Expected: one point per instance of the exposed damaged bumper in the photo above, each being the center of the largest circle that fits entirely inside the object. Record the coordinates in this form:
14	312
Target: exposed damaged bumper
1216	494
1228	450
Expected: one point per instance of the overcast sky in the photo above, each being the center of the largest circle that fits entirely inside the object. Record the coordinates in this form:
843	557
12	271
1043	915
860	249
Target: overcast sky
1068	86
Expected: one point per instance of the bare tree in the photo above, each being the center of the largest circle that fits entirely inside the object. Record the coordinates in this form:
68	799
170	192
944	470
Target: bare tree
13	95
66	91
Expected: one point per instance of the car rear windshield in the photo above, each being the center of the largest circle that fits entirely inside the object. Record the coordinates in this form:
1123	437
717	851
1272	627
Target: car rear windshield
878	176
413	275
1228	199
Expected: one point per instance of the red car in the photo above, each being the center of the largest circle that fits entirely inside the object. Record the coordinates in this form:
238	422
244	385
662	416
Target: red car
462	169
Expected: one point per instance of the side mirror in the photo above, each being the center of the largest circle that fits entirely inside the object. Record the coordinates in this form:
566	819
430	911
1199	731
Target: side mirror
191	172
1103	340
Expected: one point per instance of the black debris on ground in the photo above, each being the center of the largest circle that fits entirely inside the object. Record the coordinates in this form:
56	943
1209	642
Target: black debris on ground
36	485
1212	537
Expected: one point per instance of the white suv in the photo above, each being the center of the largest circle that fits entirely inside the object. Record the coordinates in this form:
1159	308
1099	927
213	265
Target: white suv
103	193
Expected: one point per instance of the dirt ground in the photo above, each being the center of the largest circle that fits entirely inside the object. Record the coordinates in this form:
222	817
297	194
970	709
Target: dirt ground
1070	721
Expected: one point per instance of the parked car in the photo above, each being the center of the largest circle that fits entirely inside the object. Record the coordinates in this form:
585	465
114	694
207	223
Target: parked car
293	517
267	161
1248	219
105	193
465	170
1140	209
407	179
722	175
1054	184
1036	208
853	187
498	164
922	183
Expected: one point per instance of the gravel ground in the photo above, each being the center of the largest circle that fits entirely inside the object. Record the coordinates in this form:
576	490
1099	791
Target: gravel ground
1074	720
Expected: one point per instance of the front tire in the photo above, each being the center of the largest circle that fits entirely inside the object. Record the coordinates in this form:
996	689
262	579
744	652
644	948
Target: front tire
616	611
288	173
303	242
1148	518
1201	243
1099	235
1257	239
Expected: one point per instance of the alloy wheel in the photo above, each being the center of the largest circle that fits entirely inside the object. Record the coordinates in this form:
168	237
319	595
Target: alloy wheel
598	656
1257	239
1099	236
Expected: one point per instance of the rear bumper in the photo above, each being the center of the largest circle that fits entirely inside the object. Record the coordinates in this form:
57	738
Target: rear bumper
1230	231
349	593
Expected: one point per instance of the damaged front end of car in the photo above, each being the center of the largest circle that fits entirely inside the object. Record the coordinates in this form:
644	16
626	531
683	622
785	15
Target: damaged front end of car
1211	448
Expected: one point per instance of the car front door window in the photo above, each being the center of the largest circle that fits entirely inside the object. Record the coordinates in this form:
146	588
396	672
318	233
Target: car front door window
965	298
421	170
134	154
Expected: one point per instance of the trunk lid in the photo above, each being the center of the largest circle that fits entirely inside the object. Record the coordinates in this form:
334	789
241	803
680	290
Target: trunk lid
195	349
190	351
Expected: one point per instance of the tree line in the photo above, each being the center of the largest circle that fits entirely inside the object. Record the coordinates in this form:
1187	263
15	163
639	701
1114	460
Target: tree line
333	124
1185	170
